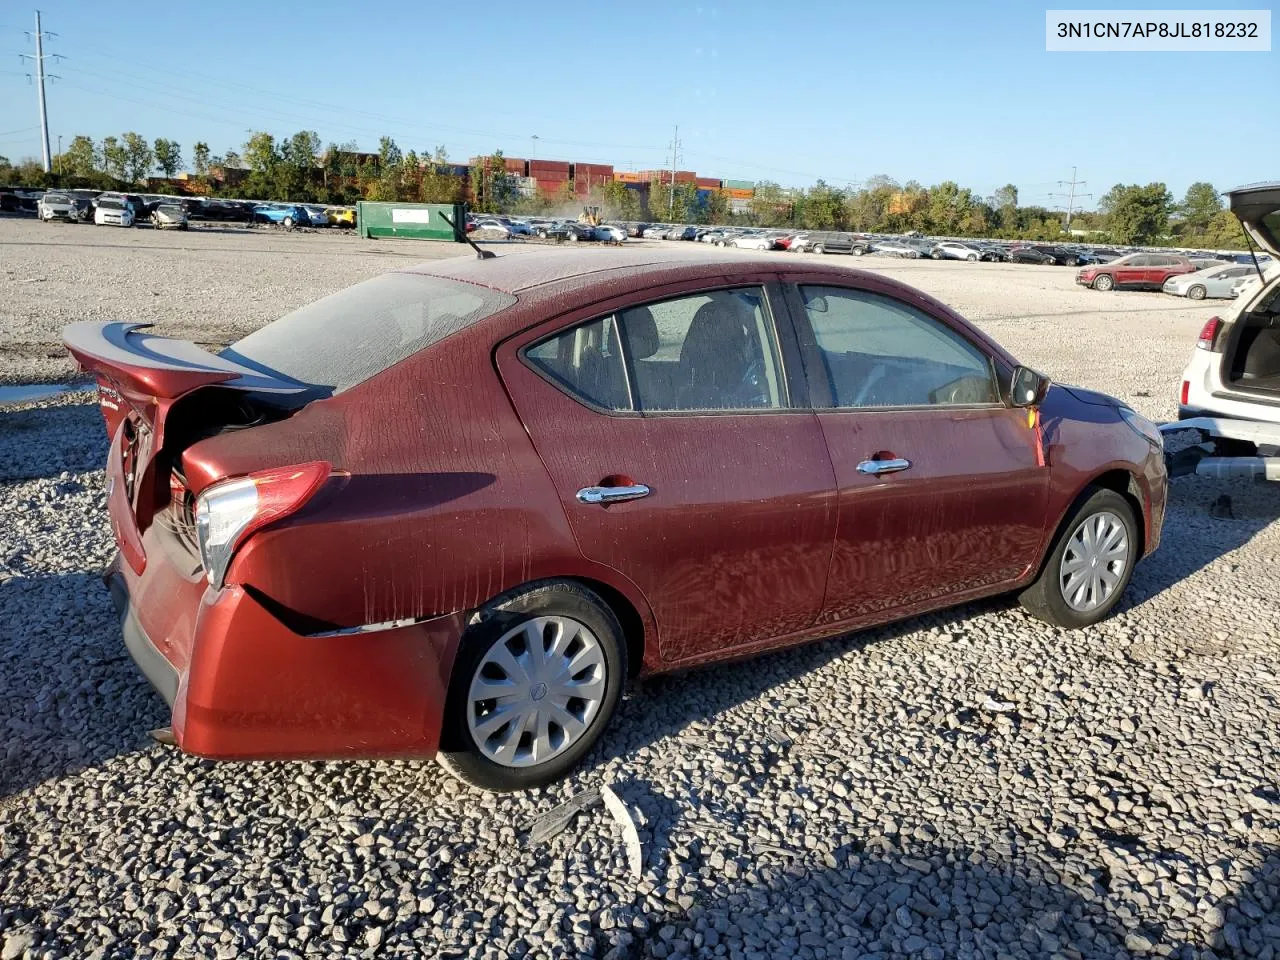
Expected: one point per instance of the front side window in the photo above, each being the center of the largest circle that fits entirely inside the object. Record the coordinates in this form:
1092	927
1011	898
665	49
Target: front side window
712	351
881	352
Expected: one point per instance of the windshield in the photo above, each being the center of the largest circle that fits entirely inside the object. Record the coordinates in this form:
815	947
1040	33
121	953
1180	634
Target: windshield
111	204
348	337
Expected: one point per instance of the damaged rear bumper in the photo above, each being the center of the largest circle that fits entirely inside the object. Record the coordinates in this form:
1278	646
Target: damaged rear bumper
242	685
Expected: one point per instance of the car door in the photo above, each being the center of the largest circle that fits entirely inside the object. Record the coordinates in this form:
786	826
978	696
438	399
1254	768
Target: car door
1132	271
678	436
942	490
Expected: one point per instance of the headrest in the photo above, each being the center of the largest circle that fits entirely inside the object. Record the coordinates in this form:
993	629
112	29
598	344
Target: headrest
641	331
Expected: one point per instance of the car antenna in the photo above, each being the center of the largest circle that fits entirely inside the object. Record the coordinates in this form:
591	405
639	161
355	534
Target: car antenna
480	254
1252	252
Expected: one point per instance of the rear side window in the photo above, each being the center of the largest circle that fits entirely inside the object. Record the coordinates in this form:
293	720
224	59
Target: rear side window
348	337
586	361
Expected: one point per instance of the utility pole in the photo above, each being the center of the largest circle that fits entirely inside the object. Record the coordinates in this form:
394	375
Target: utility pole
39	59
1071	196
534	154
675	158
59	154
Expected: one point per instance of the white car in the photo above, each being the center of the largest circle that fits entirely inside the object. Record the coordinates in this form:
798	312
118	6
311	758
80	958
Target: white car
895	248
1230	390
952	250
493	226
1216	281
754	241
112	213
608	233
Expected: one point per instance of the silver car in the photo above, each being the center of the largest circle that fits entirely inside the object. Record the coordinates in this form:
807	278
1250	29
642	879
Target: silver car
169	216
1216	281
60	206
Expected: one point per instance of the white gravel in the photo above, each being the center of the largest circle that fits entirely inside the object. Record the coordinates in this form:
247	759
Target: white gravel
968	784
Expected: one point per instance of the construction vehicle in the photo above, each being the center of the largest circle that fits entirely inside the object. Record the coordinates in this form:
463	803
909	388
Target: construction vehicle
591	216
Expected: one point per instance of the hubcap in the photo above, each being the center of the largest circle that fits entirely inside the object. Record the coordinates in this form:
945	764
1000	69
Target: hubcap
536	691
1094	562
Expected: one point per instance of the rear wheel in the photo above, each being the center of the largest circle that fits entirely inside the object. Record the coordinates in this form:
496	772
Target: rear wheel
1103	282
1197	292
534	685
287	222
972	258
1090	564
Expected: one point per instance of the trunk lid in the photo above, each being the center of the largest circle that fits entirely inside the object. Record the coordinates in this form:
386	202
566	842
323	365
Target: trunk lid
1258	207
147	391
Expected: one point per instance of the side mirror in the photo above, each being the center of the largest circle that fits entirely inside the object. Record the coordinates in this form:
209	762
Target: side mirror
1026	387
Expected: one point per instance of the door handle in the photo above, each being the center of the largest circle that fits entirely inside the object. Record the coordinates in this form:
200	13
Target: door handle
876	467
631	491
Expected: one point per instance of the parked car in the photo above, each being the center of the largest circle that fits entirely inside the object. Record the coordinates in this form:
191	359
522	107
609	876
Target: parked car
169	216
136	206
954	250
298	581
570	230
751	241
112	212
55	205
1230	391
608	233
657	231
1138	271
341	216
493	225
895	248
1029	254
1216	281
287	215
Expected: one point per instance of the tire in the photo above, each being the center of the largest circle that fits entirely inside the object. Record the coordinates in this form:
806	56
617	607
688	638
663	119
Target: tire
972	258
1103	282
819	248
571	237
287	223
1072	262
1051	597
504	622
935	255
859	251
1197	292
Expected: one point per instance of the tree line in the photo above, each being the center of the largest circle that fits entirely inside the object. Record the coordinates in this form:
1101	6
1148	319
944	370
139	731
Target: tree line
299	168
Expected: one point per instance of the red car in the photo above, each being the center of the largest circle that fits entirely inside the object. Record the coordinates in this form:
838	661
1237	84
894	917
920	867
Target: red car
1138	271
455	508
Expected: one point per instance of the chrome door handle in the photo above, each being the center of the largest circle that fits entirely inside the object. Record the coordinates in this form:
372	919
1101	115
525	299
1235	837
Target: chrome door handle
633	491
875	467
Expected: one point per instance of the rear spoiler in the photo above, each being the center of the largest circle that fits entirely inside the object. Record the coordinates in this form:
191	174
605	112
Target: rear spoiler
161	367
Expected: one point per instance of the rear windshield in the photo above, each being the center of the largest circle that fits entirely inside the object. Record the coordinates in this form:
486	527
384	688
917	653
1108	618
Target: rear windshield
348	337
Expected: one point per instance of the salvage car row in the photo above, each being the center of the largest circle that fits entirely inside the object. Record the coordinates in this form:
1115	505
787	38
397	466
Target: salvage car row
131	209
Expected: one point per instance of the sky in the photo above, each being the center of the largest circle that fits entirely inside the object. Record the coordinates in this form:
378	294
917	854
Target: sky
789	92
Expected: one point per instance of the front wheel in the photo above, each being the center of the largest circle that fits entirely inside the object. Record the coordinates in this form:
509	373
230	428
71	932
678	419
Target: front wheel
1197	292
287	223
1090	564
819	248
972	258
1103	282
534	685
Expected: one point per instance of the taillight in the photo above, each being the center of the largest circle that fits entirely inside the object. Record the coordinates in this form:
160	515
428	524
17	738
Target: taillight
1209	333
228	512
1186	392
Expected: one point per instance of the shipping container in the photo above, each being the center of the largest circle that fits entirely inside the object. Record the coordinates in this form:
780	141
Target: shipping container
526	186
739	206
517	166
686	176
738	194
548	166
740	184
630	177
708	183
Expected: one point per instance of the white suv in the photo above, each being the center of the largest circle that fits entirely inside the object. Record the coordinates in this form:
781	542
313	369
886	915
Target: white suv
1230	390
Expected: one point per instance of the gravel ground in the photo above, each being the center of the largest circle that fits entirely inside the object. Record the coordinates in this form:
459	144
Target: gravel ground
967	784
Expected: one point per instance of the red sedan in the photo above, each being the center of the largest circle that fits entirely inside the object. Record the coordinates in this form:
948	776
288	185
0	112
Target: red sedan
453	509
1138	271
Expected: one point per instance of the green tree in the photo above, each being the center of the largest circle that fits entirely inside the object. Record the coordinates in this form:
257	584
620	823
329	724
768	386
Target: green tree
768	206
262	157
823	208
617	202
1137	214
168	156
200	158
138	157
81	158
1198	208
493	189
114	158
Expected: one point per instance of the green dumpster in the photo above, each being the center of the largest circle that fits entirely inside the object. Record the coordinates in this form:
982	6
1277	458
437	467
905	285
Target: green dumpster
412	221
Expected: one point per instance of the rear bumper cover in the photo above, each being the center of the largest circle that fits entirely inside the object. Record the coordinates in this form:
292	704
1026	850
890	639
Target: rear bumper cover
242	685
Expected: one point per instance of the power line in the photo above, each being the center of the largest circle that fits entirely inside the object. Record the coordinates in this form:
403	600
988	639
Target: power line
1071	196
38	59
